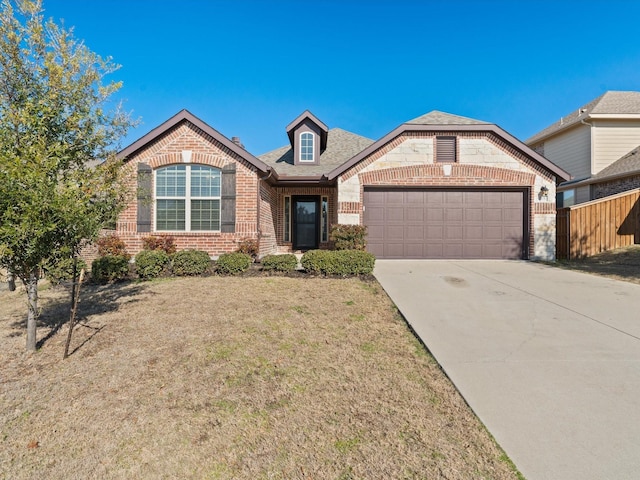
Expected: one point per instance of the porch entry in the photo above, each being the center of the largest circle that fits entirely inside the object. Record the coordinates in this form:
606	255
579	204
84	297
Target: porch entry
306	222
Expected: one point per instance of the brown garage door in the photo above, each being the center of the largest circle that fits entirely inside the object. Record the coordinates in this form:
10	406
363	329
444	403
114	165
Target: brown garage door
415	223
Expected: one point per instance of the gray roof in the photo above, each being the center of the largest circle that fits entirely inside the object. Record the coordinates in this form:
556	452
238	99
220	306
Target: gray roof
612	102
628	164
441	118
341	146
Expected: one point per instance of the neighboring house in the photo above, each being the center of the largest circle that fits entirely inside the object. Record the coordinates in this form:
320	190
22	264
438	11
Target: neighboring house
439	186
588	142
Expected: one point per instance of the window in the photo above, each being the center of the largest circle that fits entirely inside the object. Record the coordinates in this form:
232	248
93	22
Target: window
566	198
324	220
306	147
446	149
287	220
187	198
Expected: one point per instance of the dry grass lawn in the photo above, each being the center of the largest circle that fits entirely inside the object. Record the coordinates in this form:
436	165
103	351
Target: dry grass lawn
620	264
232	378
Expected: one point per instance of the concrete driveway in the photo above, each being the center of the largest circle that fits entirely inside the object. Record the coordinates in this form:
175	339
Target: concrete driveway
548	359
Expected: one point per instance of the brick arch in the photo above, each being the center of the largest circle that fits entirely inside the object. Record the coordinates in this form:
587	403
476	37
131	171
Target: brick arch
198	158
461	175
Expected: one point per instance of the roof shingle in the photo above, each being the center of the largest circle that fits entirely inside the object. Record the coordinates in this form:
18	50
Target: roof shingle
612	102
341	146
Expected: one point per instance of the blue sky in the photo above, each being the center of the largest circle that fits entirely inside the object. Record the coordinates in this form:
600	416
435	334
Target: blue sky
248	68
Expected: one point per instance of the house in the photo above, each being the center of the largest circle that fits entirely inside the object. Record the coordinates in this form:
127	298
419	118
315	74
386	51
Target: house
588	142
438	186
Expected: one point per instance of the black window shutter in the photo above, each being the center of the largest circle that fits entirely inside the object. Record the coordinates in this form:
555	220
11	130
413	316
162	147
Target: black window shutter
228	199
144	197
445	149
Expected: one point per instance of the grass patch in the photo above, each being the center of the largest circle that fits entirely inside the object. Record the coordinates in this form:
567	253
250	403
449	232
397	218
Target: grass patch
232	378
619	264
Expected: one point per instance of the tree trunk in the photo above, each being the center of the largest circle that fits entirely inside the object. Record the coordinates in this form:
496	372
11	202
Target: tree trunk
11	281
32	295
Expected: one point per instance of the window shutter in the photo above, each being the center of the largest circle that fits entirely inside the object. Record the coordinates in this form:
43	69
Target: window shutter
144	197
228	199
445	149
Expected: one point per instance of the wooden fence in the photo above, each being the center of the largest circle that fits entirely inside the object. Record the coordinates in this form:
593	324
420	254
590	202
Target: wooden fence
593	227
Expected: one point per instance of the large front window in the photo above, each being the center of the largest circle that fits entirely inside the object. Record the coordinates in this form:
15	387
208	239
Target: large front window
187	198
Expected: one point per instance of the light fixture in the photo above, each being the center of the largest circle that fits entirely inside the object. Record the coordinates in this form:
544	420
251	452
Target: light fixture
544	193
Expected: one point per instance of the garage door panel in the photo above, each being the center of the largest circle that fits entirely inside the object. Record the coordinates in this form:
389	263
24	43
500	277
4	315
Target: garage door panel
473	214
473	232
414	233
434	214
415	214
426	223
454	214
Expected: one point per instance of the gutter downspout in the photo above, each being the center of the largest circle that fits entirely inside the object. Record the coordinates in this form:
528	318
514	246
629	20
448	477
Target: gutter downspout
591	158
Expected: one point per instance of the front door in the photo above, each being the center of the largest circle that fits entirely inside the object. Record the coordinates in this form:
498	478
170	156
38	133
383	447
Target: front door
306	222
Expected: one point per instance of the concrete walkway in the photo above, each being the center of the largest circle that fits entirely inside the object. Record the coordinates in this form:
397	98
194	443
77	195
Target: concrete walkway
548	359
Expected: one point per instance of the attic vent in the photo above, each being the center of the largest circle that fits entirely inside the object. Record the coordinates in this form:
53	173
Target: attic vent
237	141
446	149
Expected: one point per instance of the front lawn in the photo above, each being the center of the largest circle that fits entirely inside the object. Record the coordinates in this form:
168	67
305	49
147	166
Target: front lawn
232	378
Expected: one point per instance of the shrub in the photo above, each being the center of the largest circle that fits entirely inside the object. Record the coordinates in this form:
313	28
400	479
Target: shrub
109	268
233	263
112	245
248	246
338	262
190	262
353	262
316	261
151	263
280	263
61	270
166	243
348	237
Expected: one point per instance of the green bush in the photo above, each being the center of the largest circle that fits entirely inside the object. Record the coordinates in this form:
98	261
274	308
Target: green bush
233	263
348	237
280	263
190	262
338	262
109	268
61	270
316	261
353	262
151	263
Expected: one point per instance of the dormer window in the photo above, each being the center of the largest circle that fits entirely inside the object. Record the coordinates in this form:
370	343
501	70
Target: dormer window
306	147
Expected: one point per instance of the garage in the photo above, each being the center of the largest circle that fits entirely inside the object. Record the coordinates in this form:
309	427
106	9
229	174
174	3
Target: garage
446	223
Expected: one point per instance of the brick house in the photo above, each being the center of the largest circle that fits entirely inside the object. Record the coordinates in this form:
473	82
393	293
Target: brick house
438	186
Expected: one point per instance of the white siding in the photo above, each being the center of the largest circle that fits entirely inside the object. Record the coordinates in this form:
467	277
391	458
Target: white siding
612	140
571	151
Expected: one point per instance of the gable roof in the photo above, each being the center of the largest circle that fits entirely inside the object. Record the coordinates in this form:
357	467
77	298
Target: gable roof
436	117
186	116
307	115
341	145
445	122
610	103
626	165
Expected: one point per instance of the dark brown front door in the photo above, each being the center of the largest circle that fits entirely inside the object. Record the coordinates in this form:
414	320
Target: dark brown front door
462	223
306	222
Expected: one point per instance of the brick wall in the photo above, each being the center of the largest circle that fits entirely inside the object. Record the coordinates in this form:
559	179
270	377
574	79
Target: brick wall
167	150
606	189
